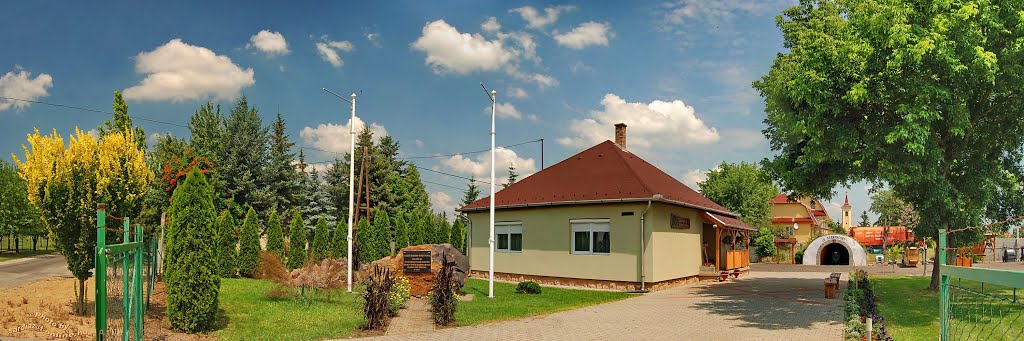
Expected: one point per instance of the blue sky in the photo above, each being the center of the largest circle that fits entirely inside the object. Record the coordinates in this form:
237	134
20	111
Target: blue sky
678	73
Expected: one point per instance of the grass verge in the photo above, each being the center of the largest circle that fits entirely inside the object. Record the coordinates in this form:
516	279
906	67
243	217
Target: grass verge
252	314
507	304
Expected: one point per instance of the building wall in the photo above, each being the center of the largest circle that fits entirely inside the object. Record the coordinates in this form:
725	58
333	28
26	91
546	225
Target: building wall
547	243
677	252
794	210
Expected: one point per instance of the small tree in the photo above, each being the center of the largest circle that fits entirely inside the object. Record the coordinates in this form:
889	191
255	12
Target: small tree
458	237
364	234
339	241
297	243
249	245
275	237
227	235
401	232
321	239
864	221
191	276
512	176
765	243
444	230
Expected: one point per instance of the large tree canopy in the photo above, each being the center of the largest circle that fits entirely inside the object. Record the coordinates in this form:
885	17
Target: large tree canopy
922	96
742	188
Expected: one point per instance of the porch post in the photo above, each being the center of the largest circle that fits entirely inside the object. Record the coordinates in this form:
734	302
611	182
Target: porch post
718	241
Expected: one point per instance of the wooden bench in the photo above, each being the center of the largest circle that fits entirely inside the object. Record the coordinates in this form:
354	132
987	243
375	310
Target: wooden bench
832	285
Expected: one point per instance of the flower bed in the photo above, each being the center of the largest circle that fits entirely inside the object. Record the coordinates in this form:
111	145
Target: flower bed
859	304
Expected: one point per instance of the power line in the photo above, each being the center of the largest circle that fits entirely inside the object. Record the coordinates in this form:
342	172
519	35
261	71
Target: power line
92	110
465	153
410	164
443	185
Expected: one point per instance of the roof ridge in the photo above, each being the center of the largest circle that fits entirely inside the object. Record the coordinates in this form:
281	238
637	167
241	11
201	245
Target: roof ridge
620	151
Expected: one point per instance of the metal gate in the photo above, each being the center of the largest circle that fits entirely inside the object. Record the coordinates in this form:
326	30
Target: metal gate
976	303
120	308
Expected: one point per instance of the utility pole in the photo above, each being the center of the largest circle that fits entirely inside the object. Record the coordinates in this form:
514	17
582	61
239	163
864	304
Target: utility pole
493	95
351	175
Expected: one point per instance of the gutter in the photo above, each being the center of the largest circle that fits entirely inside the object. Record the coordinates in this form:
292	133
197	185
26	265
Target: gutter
655	198
643	278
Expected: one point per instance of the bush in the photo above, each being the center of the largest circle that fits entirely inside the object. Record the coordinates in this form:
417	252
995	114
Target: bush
275	236
249	245
376	307
443	298
765	243
321	239
339	241
326	274
398	295
297	243
528	287
227	256
271	267
193	284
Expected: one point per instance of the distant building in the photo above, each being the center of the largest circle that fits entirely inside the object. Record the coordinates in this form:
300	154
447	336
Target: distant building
604	218
800	216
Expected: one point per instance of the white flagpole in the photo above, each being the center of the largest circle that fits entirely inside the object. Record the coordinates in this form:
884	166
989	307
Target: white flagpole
351	180
490	238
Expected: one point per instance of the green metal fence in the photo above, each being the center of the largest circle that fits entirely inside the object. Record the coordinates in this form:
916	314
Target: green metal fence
124	280
977	303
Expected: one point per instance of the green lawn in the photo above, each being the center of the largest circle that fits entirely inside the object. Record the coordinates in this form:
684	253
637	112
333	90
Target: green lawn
912	311
7	253
507	304
251	314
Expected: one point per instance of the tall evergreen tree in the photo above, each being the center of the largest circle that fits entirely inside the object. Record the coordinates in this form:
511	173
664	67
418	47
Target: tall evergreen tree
321	240
864	221
207	133
380	242
245	162
401	231
249	245
472	192
512	176
364	236
275	236
339	241
297	243
319	205
193	284
284	178
227	234
122	122
444	229
336	181
458	238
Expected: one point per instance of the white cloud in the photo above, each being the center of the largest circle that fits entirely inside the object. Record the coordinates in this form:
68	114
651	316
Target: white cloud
481	166
271	43
419	143
20	84
490	25
152	138
374	39
442	202
579	66
587	34
449	51
711	19
541	80
504	110
536	20
694	176
533	118
516	92
329	50
655	125
178	72
336	137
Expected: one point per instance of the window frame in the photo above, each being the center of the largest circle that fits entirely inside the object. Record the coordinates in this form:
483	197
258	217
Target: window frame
508	228
591	227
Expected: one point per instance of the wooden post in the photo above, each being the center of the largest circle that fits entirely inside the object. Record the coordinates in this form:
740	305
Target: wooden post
792	253
718	241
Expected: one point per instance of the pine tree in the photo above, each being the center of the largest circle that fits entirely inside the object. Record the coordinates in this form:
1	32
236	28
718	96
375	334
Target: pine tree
458	238
297	243
336	181
227	233
364	234
401	232
245	162
321	240
275	236
192	281
381	238
444	229
319	205
864	221
339	241
284	178
122	122
472	192
249	245
512	176
207	129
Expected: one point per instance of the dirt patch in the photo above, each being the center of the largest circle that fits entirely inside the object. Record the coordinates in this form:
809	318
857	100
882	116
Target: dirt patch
43	310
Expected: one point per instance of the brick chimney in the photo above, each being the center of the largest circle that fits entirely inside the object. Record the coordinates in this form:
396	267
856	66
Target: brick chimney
620	135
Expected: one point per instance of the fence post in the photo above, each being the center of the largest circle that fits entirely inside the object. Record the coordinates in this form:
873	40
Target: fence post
871	329
126	282
101	272
137	286
943	288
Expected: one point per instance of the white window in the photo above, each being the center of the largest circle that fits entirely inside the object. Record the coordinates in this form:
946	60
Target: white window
591	236
509	236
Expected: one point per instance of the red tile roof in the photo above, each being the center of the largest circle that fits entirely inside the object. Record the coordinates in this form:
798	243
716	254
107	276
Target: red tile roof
780	199
819	213
603	173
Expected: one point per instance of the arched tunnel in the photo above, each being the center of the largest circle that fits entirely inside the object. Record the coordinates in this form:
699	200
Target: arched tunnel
835	254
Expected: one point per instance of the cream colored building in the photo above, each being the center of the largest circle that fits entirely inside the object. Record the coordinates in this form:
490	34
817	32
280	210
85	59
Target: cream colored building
604	218
800	216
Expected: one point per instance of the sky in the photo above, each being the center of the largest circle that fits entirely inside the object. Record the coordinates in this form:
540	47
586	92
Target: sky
678	73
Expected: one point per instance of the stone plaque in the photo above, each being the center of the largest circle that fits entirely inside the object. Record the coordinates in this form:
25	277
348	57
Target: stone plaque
678	222
416	261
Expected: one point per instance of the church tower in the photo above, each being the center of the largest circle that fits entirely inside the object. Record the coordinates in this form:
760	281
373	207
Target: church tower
847	219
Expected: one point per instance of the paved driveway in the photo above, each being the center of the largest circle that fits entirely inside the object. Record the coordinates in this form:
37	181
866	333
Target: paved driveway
759	306
26	270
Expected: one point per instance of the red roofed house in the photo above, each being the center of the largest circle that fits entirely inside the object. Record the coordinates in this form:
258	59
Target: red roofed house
801	216
604	218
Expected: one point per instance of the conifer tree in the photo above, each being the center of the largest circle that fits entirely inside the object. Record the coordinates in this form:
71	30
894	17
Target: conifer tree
512	176
319	204
275	236
249	245
401	232
245	160
472	192
458	238
381	237
207	129
191	274
228	237
364	233
284	179
444	229
297	243
339	241
321	240
122	123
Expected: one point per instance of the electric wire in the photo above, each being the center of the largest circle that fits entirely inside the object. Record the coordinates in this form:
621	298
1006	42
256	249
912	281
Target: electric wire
140	118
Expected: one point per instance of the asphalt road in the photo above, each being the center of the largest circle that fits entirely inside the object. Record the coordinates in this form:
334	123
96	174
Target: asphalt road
26	270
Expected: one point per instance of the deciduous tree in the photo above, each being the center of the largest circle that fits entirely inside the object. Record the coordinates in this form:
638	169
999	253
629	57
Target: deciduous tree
742	188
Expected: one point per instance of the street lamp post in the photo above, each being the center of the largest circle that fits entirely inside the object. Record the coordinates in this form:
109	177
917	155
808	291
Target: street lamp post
493	95
351	176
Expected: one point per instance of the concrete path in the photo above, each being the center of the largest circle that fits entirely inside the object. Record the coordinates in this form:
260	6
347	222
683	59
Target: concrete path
26	270
758	306
414	318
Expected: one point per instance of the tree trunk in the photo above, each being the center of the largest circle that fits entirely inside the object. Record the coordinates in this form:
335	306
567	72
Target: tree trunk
35	240
17	244
934	285
80	307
